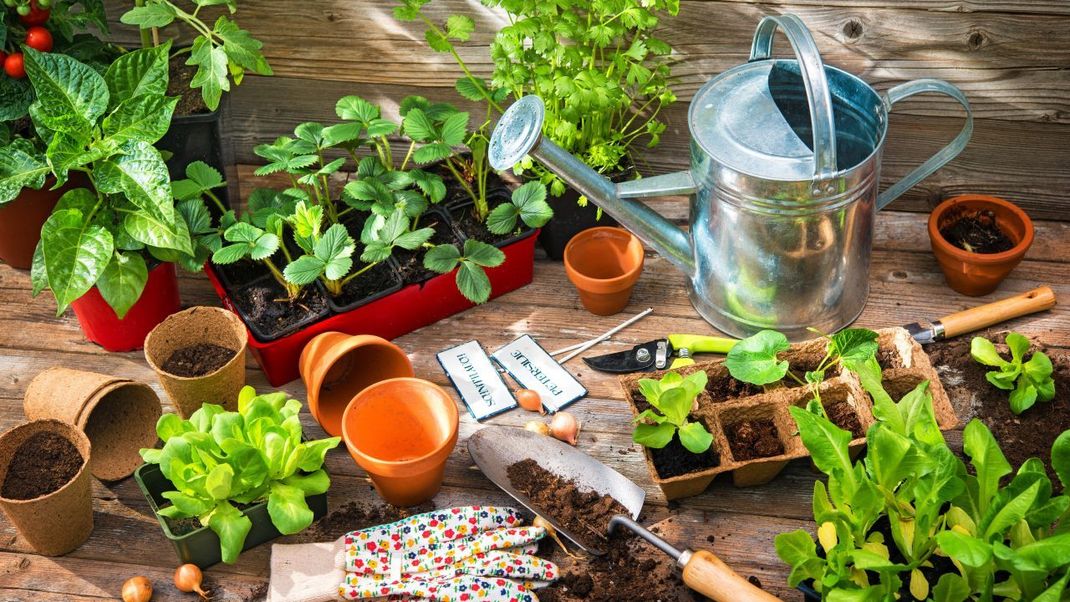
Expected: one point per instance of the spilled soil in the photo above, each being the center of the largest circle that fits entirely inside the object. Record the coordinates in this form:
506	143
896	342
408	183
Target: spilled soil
44	463
198	360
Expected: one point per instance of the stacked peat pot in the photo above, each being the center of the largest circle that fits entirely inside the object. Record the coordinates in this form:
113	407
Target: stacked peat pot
729	405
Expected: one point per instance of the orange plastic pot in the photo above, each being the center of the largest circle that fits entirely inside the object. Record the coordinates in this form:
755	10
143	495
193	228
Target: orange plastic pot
401	431
21	220
978	274
604	264
336	367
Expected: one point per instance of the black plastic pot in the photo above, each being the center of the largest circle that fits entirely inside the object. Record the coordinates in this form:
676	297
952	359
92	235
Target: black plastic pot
569	220
201	547
197	138
503	195
341	309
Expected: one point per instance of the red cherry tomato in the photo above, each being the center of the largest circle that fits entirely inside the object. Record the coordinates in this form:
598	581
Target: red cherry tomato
39	38
14	66
37	15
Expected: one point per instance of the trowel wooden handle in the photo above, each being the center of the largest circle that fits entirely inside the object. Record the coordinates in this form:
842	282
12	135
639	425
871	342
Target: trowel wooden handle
709	576
976	318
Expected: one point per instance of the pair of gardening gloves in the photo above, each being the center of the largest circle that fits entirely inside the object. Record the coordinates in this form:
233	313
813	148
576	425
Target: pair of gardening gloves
472	553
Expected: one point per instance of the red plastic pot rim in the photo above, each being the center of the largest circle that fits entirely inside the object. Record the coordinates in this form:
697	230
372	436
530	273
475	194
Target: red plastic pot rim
969	200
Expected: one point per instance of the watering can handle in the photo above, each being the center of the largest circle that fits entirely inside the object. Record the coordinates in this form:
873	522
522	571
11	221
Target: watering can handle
944	155
813	74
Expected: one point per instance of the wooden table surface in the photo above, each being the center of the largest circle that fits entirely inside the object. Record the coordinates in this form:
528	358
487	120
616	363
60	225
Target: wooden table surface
906	285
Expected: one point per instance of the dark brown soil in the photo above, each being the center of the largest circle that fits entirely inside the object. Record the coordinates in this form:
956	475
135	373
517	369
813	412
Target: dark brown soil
376	280
751	439
799	366
353	516
674	459
241	272
189	99
725	388
1029	435
265	305
583	513
411	263
42	464
843	415
198	360
464	218
977	232
889	358
183	526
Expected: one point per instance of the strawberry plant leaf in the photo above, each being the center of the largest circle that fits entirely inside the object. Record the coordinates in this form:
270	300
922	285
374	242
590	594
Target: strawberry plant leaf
304	270
473	283
480	253
442	258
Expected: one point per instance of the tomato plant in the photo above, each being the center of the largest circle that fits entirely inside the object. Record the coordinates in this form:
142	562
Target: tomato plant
39	38
14	66
35	14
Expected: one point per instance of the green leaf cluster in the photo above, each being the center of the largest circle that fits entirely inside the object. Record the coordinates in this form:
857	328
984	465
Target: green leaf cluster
1004	536
217	460
471	277
527	204
1027	380
672	399
103	126
222	52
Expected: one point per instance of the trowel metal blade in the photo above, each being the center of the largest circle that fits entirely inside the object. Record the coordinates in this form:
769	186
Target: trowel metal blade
494	449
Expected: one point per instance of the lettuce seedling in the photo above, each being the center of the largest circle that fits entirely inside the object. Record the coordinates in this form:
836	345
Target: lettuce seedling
1027	381
217	459
673	398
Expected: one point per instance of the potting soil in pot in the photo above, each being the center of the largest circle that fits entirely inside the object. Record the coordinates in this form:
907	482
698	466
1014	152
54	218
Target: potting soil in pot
844	416
751	439
376	280
198	360
411	263
190	101
977	232
1024	436
266	305
42	464
468	225
674	459
583	513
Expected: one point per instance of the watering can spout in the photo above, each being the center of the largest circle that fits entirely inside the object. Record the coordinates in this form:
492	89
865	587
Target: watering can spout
519	133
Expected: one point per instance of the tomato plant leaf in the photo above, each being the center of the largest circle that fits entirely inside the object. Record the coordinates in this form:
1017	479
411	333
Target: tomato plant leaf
211	76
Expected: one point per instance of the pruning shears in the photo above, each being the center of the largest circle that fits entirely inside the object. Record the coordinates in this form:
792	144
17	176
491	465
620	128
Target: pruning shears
674	351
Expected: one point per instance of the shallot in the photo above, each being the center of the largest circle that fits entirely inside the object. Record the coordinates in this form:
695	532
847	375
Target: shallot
530	400
188	578
137	589
537	426
565	427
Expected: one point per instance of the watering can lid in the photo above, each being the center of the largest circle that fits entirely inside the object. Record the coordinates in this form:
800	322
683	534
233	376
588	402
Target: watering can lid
735	119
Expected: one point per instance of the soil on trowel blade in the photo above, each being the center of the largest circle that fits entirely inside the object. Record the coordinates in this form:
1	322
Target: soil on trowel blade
42	464
198	360
977	232
674	459
1029	435
581	512
843	415
751	439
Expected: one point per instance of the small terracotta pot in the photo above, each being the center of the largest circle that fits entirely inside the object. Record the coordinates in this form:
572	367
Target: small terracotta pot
978	274
118	415
604	264
193	326
337	366
58	522
21	220
401	431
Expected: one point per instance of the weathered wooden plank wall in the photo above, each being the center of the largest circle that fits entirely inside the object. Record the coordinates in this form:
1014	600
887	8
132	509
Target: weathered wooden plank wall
1011	57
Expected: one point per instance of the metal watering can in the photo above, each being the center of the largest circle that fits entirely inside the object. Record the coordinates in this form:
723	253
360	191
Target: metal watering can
785	164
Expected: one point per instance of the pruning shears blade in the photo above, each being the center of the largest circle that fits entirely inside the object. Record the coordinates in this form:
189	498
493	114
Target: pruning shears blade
641	358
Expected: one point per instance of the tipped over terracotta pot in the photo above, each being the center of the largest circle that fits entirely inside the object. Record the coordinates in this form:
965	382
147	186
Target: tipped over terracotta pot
45	490
401	431
117	414
974	273
604	264
186	331
336	367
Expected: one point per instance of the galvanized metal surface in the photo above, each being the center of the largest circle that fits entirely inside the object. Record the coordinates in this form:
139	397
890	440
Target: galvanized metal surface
494	449
781	229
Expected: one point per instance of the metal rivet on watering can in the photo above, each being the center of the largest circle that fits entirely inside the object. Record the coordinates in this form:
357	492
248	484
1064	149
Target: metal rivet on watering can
785	164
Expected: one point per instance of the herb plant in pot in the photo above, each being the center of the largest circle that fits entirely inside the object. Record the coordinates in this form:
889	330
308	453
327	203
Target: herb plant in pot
107	249
978	240
27	191
227	481
220	56
605	71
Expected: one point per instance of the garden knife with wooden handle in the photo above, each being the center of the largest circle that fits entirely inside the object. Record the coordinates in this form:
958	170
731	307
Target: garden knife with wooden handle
983	316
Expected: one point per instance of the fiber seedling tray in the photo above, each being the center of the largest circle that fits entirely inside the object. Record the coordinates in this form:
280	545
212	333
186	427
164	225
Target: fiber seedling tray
727	402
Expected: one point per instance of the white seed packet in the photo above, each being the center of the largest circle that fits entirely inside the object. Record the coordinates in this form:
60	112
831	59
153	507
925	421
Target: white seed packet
531	366
477	380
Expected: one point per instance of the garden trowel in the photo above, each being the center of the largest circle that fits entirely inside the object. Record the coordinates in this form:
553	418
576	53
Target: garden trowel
494	449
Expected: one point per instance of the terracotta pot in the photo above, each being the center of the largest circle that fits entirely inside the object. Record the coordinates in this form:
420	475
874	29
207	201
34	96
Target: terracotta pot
978	274
401	431
101	326
193	326
604	264
337	366
22	218
118	415
58	522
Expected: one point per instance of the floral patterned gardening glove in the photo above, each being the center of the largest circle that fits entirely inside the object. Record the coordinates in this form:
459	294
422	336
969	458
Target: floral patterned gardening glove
474	553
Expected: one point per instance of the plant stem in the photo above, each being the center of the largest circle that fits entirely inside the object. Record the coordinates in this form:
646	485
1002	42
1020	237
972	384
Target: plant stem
358	273
480	204
146	35
215	199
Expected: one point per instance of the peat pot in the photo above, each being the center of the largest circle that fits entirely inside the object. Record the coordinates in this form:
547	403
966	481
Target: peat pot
785	162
